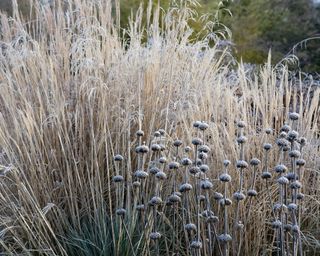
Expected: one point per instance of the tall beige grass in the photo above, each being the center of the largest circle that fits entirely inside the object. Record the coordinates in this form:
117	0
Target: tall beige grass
74	89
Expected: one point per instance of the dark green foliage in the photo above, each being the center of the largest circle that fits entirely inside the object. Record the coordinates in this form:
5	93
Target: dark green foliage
279	25
257	26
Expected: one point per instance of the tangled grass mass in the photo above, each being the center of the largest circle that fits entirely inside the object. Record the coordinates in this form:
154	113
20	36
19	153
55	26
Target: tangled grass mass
143	141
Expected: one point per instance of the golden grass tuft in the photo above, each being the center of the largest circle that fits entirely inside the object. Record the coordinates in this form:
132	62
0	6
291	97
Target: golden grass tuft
74	89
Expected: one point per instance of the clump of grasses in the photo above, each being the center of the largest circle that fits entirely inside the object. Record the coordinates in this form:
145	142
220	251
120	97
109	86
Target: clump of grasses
76	91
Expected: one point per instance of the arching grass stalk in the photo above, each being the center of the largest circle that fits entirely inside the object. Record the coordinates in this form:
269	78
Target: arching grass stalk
128	235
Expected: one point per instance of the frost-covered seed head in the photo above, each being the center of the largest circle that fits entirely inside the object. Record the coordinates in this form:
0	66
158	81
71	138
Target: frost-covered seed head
155	201
285	128
212	219
268	131
294	116
139	133
301	162
154	170
291	176
190	227
303	141
242	164
206	185
143	149
155	147
287	227
239	196
292	136
195	244
266	175
162	160
280	168
296	185
217	196
186	161
117	178
255	162
294	154
283	135
177	143
187	149
252	192
225	177
242	140
240	225
282	142
196	124
241	124
283	180
207	213
225	238
155	236
300	196
292	207
121	212
286	148
141	174
162	132
161	175
203	126
295	229
204	148
185	187
198	162
267	146
163	147
157	134
194	170
226	163
276	224
197	141
174	165
174	199
225	202
204	168
118	158
177	193
203	156
277	207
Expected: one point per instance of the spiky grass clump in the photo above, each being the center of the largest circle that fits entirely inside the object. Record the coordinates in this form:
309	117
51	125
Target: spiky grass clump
74	92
